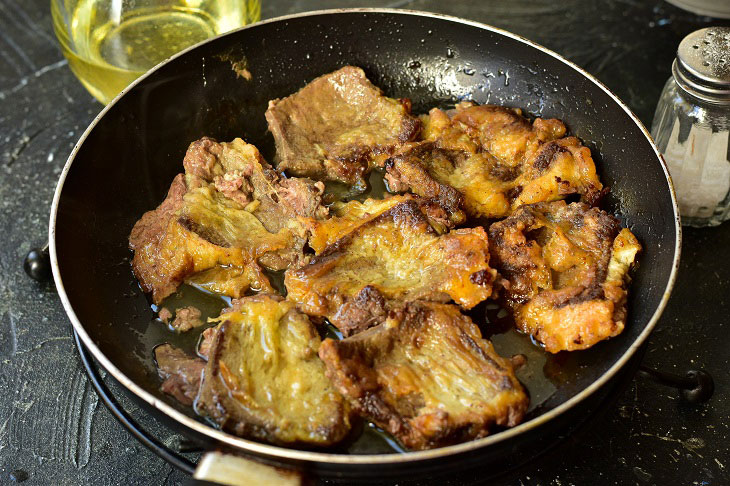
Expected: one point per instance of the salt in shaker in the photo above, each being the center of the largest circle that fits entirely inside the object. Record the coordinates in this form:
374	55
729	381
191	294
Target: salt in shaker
692	126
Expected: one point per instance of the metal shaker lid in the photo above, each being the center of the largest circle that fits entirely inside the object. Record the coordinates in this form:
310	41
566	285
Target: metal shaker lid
702	67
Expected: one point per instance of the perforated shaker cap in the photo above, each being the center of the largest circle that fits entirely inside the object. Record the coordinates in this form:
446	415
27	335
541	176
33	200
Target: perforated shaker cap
702	66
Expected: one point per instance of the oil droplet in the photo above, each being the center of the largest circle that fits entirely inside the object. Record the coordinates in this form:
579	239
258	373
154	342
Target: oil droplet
469	71
506	76
449	52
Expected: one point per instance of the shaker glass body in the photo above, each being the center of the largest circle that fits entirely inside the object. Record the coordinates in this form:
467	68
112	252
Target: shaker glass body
693	136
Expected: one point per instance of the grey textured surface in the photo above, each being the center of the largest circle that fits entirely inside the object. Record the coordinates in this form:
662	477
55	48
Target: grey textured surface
52	425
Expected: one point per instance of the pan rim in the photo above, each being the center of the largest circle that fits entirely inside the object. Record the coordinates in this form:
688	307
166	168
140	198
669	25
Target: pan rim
348	459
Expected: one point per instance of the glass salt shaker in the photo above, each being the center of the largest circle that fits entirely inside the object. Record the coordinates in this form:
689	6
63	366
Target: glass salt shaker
692	126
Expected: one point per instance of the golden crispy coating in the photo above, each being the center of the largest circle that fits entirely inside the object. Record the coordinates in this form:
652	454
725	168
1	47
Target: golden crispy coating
165	258
264	380
393	257
336	126
502	132
346	217
226	216
426	376
492	160
566	267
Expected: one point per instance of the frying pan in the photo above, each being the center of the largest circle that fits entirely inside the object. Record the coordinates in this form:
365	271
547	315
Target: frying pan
124	162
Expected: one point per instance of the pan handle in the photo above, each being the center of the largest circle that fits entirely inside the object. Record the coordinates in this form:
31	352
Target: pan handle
696	386
232	470
37	264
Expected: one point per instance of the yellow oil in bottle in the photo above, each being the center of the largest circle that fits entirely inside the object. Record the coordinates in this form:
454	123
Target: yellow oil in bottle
109	44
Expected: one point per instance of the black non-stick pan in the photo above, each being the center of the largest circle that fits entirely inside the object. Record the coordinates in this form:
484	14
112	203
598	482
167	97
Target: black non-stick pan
126	159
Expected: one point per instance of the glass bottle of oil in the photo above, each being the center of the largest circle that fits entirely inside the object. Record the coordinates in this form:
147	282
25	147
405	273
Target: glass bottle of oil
110	43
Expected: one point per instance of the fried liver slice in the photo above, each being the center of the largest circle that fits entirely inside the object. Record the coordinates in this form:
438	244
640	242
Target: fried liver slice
373	263
427	377
337	125
264	379
566	267
493	159
180	373
225	218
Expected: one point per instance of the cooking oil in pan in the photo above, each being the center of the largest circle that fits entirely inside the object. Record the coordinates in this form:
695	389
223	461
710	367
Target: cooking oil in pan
110	43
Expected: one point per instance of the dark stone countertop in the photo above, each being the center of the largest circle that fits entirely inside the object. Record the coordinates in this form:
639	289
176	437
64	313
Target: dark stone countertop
53	430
